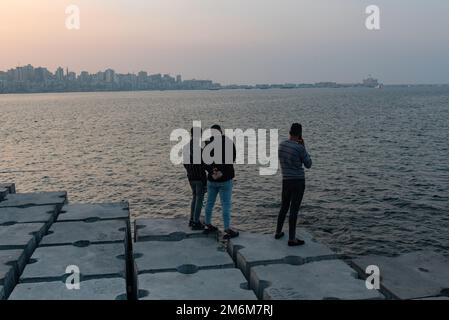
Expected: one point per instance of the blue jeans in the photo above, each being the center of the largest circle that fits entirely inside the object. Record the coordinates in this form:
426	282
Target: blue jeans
198	190
225	191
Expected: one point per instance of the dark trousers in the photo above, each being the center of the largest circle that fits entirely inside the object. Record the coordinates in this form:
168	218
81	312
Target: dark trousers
198	190
292	193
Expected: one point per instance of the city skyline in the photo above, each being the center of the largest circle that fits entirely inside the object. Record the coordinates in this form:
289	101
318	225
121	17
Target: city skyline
234	42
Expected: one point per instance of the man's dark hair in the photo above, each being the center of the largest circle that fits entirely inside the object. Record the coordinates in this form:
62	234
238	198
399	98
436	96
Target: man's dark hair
296	130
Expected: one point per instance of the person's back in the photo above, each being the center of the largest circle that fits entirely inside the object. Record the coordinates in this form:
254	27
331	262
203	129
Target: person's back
292	157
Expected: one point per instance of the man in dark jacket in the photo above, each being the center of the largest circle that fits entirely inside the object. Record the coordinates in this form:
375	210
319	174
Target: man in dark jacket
220	181
196	173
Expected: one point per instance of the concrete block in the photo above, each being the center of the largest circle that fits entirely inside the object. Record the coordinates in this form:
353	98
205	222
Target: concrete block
12	215
92	212
218	284
24	200
74	232
11	187
93	261
409	276
250	249
12	263
96	289
3	193
21	236
155	229
184	256
435	298
320	280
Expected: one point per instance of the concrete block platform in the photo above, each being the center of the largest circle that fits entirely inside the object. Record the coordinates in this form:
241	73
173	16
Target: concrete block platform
217	284
185	256
96	289
94	261
410	276
81	232
23	200
12	263
13	215
21	236
319	280
10	187
163	230
94	212
250	249
3	193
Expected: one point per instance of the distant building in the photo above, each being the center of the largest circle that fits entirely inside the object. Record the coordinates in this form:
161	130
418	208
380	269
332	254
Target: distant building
370	82
109	75
59	74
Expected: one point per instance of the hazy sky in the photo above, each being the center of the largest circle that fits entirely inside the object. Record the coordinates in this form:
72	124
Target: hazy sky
234	41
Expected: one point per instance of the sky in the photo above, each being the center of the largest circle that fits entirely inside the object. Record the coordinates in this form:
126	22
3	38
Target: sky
234	41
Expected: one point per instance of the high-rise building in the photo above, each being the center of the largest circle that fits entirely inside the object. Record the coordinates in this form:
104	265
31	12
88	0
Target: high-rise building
178	78
109	75
59	74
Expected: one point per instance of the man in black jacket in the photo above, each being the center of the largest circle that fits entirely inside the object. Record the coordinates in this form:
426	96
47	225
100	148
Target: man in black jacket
196	173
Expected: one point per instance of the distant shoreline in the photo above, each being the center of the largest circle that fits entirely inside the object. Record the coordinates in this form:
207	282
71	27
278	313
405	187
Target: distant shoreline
242	88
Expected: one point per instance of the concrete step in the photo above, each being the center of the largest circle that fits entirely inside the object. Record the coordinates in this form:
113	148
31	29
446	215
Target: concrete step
13	215
96	289
12	263
94	211
250	249
23	200
23	236
49	264
214	284
409	276
319	280
159	229
185	256
11	187
82	232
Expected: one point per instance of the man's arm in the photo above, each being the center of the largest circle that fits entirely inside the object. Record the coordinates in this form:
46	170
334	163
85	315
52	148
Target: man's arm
305	158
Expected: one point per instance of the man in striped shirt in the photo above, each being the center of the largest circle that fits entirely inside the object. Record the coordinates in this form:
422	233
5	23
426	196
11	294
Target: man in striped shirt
292	156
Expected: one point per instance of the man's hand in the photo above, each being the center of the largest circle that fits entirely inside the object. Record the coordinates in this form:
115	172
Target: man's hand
301	141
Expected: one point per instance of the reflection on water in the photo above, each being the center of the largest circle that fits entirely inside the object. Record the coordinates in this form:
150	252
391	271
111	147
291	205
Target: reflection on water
379	183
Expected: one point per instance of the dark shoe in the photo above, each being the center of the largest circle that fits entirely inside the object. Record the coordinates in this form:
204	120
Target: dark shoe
277	236
191	223
229	234
296	242
197	226
210	228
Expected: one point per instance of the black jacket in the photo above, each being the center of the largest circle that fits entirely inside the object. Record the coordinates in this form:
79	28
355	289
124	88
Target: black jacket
226	169
195	172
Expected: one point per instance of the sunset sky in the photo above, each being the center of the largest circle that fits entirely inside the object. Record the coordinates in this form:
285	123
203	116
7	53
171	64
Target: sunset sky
234	41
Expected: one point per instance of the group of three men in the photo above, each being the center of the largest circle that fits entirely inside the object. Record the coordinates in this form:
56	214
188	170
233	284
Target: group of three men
217	179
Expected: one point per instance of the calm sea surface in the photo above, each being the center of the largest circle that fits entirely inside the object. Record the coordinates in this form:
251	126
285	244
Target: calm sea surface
379	183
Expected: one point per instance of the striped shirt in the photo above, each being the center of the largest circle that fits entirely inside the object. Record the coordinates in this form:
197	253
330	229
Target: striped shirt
292	157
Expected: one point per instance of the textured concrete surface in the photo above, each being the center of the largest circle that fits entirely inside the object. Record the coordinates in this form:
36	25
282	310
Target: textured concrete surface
21	236
96	211
11	264
320	280
72	232
94	261
11	187
218	284
158	256
96	289
252	249
34	199
409	276
25	215
163	229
